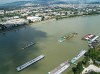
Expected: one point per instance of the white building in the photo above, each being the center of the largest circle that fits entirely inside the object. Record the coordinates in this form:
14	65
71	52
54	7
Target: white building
1	12
14	22
16	17
34	18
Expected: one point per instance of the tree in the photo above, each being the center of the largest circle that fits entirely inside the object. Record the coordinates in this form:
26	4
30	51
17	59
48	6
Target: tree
42	18
93	72
79	66
74	69
30	21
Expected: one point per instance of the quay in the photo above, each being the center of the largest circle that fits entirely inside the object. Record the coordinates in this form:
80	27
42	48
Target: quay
60	68
93	39
30	63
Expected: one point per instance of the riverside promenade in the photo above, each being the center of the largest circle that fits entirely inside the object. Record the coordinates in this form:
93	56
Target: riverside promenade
91	68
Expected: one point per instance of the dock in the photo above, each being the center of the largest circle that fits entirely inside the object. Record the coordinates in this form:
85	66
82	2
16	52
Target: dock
92	40
30	63
81	53
60	68
90	37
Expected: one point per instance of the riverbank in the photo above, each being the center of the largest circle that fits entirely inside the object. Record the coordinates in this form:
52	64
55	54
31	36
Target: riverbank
45	21
70	16
20	26
12	28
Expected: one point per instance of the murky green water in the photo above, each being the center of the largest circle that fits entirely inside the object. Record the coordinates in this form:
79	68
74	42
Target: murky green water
46	36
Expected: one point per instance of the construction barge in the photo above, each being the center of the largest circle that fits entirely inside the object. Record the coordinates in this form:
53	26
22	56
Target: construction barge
30	63
28	45
60	68
67	37
81	53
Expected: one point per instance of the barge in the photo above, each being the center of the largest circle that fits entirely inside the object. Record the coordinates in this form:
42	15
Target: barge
60	68
67	37
30	63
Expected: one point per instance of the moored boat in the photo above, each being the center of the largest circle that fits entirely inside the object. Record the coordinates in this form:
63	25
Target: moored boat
30	62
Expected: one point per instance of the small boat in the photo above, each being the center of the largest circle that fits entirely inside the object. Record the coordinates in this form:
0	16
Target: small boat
28	45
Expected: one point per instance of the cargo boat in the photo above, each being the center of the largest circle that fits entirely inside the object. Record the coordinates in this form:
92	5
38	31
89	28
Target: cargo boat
30	63
67	37
60	68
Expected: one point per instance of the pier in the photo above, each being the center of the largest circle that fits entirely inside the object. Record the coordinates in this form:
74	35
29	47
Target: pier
30	63
62	67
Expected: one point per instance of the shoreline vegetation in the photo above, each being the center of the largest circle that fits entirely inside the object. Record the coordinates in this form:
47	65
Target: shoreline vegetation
70	16
92	57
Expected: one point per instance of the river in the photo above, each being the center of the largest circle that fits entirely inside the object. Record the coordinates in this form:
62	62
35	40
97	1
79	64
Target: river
46	35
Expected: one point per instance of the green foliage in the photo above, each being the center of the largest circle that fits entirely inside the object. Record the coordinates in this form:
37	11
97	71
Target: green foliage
78	69
85	60
30	21
93	73
92	53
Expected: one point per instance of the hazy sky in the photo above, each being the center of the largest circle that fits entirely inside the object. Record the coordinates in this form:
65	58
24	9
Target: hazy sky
8	1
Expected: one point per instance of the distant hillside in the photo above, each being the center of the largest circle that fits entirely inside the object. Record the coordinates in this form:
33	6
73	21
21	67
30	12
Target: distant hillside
45	2
94	2
21	3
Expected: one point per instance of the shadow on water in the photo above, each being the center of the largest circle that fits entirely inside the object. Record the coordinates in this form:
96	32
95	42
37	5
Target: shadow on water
11	54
